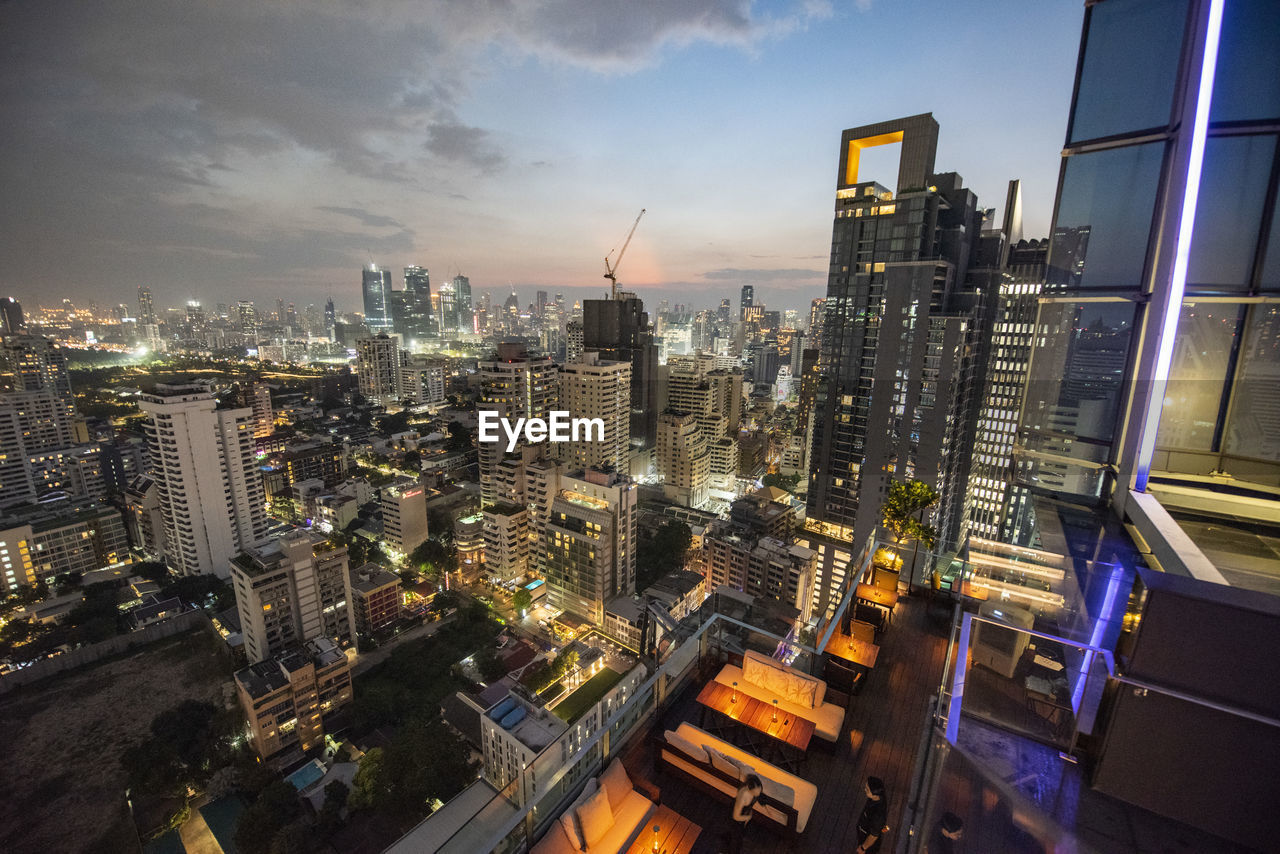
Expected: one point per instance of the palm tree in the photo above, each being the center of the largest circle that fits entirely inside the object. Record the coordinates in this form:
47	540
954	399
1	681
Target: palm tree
903	512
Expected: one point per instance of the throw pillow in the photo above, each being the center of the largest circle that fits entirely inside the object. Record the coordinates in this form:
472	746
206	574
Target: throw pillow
615	781
726	764
569	818
596	817
684	745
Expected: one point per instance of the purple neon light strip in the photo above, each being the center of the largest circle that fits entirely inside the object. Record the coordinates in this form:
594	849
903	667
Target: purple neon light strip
1182	252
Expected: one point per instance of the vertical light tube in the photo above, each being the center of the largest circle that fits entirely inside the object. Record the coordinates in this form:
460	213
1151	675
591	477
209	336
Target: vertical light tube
1177	286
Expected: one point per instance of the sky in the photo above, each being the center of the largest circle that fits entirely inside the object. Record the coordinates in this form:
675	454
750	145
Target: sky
245	150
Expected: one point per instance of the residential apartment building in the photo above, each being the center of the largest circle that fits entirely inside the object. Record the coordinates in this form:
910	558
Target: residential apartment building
589	541
40	541
205	468
378	364
286	697
295	589
684	460
591	387
404	516
376	598
506	541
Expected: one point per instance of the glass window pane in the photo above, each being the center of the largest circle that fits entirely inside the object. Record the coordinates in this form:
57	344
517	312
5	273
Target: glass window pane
1254	426
1233	189
1246	83
1104	218
1270	279
1077	369
1197	375
1129	68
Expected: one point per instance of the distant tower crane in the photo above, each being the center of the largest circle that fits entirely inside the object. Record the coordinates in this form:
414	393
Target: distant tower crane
609	272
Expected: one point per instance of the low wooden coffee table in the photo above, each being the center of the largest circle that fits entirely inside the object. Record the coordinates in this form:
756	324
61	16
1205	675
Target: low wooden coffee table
676	834
790	731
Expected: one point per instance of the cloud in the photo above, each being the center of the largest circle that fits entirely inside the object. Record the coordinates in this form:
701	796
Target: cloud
365	218
463	144
159	138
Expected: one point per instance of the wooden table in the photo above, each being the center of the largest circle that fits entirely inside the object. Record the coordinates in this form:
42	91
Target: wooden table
887	599
676	834
789	731
853	650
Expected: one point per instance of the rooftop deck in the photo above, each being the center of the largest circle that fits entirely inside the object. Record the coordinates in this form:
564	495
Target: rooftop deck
881	736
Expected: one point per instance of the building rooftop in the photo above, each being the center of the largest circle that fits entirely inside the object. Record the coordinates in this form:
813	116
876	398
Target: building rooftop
371	577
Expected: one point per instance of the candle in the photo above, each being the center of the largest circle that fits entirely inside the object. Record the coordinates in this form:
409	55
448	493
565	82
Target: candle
655	837
775	711
734	698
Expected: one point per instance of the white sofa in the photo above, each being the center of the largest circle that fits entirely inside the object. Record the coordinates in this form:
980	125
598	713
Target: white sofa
797	693
628	810
718	766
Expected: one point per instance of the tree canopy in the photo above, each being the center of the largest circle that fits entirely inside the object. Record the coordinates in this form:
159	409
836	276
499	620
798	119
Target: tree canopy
902	506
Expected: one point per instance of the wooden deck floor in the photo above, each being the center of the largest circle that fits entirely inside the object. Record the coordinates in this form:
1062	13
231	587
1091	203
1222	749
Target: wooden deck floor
881	737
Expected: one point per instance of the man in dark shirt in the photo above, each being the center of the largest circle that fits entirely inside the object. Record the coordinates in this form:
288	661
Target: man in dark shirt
872	823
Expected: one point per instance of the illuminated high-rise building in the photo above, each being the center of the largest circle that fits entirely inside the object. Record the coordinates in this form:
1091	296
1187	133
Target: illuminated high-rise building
375	287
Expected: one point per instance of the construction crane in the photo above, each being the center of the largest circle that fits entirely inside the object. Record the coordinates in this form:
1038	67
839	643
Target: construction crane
609	272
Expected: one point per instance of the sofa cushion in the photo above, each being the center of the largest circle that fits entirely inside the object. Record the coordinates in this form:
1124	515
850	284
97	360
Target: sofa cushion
778	784
628	823
827	718
569	818
615	781
785	682
681	743
596	817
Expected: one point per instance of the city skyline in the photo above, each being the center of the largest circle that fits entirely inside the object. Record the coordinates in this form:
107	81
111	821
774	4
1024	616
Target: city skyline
266	157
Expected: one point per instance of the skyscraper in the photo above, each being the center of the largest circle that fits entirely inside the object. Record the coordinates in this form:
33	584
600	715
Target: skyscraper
618	329
11	316
146	308
897	344
206	472
746	301
514	385
594	388
417	282
376	289
464	311
330	315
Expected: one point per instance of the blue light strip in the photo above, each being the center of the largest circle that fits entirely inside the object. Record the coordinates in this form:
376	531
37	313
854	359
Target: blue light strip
1182	252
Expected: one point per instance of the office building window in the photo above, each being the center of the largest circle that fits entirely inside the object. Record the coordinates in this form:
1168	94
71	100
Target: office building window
1130	66
1233	190
1104	218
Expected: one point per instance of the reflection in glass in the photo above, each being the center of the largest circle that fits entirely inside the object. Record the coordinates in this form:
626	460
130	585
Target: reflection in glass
1233	190
1193	398
1129	67
1246	83
1073	393
1104	218
1254	426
